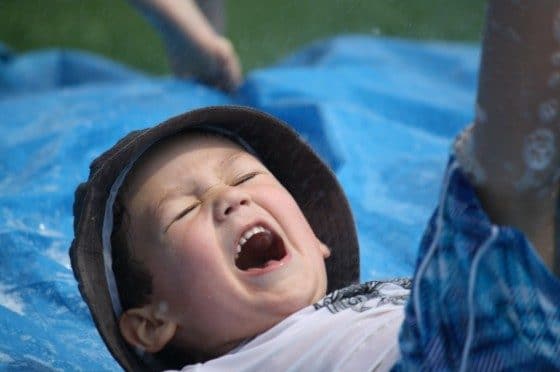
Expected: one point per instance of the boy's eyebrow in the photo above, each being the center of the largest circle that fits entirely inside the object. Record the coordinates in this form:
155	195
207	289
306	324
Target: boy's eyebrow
231	159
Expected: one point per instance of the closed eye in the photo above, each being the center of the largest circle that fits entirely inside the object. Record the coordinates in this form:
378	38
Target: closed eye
182	214
244	178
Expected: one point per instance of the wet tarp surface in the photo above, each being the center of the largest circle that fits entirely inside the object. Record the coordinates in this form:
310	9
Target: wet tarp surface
382	112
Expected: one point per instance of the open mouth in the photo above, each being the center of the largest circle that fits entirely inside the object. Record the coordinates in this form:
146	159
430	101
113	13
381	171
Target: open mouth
259	248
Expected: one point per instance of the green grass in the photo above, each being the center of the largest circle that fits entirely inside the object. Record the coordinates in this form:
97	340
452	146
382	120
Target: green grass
262	31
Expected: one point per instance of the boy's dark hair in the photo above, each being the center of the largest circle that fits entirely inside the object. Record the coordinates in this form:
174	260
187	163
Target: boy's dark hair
134	280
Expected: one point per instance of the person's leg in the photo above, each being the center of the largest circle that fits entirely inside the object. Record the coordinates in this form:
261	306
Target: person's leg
214	11
482	299
515	137
194	44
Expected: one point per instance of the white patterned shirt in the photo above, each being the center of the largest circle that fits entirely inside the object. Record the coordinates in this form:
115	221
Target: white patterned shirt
352	329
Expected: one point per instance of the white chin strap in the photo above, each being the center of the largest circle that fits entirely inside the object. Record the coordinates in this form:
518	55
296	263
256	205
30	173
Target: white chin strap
106	237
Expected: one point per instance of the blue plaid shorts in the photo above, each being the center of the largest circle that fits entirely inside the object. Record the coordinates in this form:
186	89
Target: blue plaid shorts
482	299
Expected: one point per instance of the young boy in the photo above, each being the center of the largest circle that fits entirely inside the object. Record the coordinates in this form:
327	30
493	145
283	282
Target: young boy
208	256
224	216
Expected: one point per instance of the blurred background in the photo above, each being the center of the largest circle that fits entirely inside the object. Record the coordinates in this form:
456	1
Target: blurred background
261	31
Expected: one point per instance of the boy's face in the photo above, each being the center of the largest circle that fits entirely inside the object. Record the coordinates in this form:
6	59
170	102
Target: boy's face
194	204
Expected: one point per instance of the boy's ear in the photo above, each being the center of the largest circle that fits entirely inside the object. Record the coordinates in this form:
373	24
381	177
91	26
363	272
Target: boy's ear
146	328
325	251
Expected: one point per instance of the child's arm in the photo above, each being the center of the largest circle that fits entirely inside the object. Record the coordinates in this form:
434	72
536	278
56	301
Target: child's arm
516	134
194	45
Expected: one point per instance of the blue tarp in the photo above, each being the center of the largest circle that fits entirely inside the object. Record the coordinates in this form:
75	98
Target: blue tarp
381	111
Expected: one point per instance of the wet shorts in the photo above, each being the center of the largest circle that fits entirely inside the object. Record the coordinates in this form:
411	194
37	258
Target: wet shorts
482	299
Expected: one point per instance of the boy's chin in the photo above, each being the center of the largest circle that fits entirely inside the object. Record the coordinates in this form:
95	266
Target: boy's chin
302	298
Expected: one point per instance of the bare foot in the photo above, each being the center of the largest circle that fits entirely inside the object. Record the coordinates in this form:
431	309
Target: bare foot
192	38
214	63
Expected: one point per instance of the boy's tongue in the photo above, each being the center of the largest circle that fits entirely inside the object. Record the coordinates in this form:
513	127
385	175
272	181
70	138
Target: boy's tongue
260	250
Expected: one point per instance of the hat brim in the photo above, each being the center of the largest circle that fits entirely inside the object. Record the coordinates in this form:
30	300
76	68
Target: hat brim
310	181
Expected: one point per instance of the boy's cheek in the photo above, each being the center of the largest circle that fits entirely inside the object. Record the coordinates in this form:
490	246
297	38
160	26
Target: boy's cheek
173	274
188	254
275	197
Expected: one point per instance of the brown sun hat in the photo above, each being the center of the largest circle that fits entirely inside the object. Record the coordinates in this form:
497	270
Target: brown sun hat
312	184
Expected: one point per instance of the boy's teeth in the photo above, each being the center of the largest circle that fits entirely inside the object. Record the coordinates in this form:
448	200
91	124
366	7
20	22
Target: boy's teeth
247	235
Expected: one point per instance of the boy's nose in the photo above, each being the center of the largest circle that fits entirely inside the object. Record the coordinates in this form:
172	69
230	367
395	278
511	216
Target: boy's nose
228	201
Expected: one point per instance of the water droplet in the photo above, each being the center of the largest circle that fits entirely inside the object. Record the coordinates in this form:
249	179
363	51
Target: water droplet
556	27
555	59
539	149
548	110
554	80
481	116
